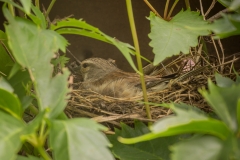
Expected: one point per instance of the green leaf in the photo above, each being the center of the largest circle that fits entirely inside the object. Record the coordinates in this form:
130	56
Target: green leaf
200	148
5	85
10	142
186	120
80	27
227	26
26	5
78	139
10	103
177	35
5	60
124	48
225	3
234	5
224	102
19	82
39	19
223	81
61	61
156	149
34	48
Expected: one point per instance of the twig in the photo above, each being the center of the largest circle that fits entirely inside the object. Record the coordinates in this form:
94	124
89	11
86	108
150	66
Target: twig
200	1
215	46
221	47
166	9
210	8
171	10
218	15
153	9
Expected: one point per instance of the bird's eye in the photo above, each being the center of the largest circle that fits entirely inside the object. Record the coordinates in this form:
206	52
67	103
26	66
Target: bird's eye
85	65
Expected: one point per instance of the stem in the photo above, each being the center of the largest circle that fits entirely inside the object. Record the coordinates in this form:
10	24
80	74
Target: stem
138	56
50	7
171	10
187	4
43	153
153	9
11	8
37	3
166	9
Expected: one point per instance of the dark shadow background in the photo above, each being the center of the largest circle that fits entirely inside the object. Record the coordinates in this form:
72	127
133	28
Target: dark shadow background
110	16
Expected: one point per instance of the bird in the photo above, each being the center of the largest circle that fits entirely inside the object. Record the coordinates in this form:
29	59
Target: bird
104	77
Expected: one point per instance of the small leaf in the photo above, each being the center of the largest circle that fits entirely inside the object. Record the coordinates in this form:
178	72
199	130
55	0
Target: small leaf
224	102
227	26
177	35
39	19
234	5
10	142
78	139
10	103
225	3
26	5
5	60
200	148
223	81
5	85
156	149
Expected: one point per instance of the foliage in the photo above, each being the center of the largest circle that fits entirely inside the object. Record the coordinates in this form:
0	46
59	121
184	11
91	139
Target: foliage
153	149
32	47
182	31
229	25
221	136
29	84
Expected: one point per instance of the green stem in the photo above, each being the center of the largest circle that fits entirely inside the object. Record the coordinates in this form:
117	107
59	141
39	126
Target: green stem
138	56
43	153
187	4
166	9
50	7
171	10
37	3
11	8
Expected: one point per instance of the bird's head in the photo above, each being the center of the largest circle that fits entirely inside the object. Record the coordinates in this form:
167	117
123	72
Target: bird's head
95	68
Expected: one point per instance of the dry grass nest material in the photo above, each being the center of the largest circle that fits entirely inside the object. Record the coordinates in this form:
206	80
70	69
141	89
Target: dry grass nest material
111	111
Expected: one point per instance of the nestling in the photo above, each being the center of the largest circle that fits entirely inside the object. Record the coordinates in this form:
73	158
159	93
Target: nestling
102	76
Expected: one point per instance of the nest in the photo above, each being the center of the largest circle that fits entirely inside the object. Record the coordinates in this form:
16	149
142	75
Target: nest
111	111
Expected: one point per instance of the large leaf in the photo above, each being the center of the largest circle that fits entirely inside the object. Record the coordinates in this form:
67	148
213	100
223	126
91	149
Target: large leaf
34	48
11	130
156	149
80	27
186	120
78	139
177	35
224	101
200	148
